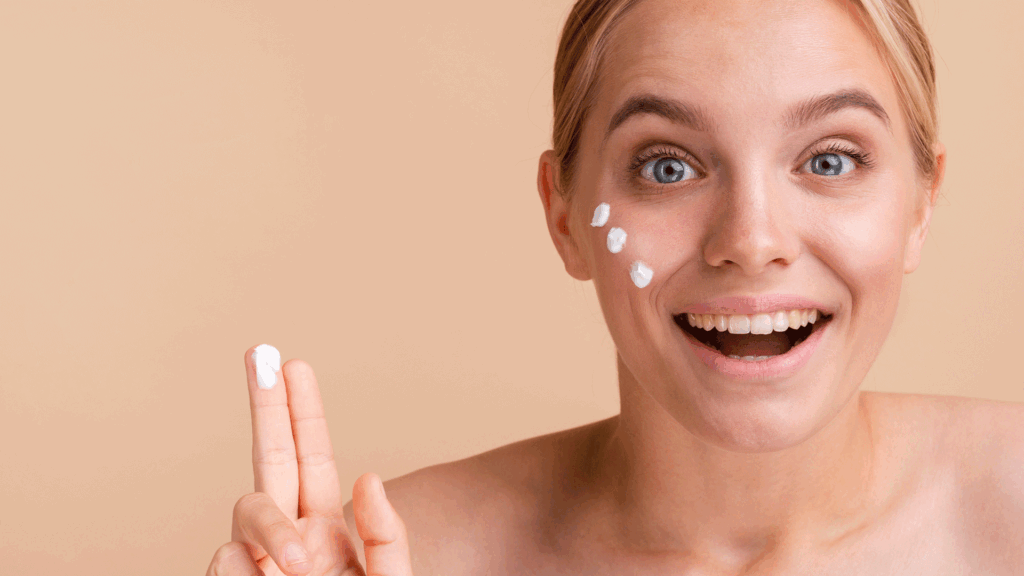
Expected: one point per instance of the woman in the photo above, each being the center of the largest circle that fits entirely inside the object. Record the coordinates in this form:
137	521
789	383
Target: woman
746	183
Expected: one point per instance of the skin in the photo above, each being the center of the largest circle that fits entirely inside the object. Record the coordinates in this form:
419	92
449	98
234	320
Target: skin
775	467
699	474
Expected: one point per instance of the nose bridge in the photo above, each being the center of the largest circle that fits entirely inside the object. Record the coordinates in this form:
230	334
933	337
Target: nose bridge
751	228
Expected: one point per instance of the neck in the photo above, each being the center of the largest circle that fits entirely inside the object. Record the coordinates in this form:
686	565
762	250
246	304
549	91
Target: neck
674	491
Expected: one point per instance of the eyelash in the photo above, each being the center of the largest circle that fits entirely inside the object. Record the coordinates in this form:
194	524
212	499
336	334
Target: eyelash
863	159
655	153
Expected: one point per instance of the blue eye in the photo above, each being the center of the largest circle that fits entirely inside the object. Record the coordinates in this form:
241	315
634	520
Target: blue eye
666	170
830	164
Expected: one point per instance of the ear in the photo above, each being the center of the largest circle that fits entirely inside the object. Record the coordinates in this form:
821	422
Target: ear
556	211
912	256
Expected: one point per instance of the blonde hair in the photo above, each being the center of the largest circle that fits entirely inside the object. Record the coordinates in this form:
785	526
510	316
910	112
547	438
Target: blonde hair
892	25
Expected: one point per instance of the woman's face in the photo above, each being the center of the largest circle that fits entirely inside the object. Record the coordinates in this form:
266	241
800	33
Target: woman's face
726	187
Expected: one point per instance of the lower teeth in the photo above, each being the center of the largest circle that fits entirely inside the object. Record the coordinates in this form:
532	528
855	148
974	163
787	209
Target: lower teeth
750	358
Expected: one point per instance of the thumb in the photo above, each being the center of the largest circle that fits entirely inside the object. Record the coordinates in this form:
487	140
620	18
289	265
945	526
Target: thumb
385	542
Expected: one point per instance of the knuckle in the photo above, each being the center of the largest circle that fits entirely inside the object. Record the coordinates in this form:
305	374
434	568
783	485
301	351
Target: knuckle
312	418
316	458
248	502
275	456
279	527
231	559
228	551
249	508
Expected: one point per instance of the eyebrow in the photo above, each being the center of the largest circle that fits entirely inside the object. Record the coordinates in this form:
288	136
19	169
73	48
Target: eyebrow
810	110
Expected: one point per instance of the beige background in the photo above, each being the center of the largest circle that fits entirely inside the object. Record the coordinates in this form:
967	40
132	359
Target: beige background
354	182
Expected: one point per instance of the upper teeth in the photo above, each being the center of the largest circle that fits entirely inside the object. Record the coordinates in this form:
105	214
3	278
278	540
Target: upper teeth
765	323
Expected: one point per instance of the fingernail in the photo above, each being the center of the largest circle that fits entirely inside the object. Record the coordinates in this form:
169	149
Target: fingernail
295	557
380	486
268	362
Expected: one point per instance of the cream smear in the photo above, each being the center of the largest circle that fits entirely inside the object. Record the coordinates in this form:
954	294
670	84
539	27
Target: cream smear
268	362
601	215
641	274
616	239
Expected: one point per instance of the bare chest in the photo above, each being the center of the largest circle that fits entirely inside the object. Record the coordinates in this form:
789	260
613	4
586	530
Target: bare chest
920	535
921	524
923	537
910	546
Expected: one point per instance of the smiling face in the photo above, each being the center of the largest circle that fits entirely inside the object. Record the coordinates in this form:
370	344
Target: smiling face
703	142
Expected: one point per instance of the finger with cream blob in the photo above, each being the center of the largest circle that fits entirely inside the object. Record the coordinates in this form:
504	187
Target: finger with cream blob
267	360
274	463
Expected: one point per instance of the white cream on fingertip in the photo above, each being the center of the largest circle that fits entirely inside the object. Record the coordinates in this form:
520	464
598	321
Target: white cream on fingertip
601	214
616	239
641	274
267	360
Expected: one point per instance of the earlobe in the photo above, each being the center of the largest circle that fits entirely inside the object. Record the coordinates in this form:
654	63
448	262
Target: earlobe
915	244
556	212
916	241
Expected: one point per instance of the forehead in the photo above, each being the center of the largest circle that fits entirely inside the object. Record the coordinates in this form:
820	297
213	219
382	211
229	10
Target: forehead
746	58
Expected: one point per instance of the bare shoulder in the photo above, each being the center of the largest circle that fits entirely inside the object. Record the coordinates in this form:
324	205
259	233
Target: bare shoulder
989	447
470	515
986	440
969	429
981	442
983	439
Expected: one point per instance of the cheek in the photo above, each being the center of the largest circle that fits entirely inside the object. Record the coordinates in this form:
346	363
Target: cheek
635	247
864	248
634	255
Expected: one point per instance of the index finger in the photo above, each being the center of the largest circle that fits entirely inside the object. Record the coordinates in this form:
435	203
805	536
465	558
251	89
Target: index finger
274	464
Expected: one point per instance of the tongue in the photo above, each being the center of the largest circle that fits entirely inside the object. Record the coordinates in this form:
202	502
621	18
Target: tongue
754	344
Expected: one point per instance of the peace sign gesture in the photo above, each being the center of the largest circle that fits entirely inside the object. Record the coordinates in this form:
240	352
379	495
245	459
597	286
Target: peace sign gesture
293	524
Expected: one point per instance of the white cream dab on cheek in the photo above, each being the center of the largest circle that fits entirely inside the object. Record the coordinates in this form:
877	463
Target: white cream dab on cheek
641	274
616	239
268	362
601	215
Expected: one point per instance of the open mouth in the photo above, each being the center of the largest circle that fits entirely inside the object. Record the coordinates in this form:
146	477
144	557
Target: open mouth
726	334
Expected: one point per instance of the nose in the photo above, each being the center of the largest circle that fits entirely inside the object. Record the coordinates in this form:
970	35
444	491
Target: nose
751	228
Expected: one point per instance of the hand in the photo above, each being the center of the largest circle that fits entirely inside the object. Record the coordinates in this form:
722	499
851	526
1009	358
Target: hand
297	501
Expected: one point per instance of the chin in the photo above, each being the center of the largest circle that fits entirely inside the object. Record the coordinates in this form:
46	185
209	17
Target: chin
753	425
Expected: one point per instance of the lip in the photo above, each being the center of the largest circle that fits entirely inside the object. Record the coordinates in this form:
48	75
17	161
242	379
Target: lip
757	304
774	368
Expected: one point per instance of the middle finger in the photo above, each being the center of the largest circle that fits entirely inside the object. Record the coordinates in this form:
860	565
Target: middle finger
319	488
